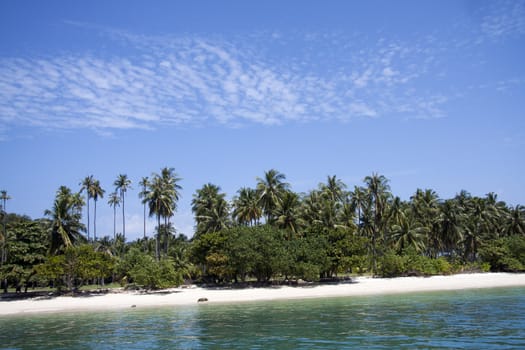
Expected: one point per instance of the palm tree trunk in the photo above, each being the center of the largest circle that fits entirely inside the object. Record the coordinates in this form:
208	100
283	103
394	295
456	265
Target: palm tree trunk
157	238
123	220
88	217
144	220
114	222
95	222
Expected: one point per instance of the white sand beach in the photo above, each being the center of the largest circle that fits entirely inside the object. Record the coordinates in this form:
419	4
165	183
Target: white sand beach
189	296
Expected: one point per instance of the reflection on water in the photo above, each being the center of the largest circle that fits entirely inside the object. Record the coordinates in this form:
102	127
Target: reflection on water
468	319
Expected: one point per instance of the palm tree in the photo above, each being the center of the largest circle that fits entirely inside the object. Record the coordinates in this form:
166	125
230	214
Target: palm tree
378	195
96	193
270	190
114	201
425	209
333	194
409	233
4	197
287	213
87	186
358	201
65	219
515	223
451	219
144	182
3	210
122	184
162	199
246	208
211	209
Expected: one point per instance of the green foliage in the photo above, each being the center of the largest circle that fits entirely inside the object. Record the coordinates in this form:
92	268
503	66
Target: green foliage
411	263
504	254
76	266
26	247
142	269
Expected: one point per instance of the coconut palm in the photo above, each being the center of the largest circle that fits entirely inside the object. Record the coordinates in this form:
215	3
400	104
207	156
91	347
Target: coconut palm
515	223
4	197
332	196
408	232
3	210
211	209
451	220
114	201
287	213
358	201
96	193
162	199
87	186
144	182
270	189
425	209
378	193
65	217
122	184
246	208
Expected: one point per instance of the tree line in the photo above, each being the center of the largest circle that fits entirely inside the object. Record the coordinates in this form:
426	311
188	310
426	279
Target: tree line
266	232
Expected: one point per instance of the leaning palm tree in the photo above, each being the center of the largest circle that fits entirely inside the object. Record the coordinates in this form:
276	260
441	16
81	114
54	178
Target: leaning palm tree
96	193
122	184
114	201
65	217
87	186
271	188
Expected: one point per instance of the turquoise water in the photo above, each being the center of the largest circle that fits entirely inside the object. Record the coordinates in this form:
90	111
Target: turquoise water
490	318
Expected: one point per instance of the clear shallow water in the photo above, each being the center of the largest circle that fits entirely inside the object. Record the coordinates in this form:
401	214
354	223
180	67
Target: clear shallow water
490	318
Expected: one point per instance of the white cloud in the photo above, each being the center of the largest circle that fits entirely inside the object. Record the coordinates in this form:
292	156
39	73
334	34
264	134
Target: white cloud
194	81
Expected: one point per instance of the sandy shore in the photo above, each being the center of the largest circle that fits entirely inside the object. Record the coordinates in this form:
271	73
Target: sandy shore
190	296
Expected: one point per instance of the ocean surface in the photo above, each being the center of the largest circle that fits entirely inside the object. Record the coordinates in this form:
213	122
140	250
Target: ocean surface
471	319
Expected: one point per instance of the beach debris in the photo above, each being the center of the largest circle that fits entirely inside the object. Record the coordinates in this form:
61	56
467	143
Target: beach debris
133	305
202	300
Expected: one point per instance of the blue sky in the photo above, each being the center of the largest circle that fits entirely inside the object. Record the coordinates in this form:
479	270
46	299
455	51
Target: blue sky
430	94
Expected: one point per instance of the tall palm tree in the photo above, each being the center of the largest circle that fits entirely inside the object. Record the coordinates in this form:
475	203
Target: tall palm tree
332	193
144	182
211	209
378	193
114	201
425	209
87	186
4	197
122	184
162	199
246	208
270	189
65	216
96	193
451	223
358	200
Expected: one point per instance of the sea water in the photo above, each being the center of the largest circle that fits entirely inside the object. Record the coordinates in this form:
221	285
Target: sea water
472	319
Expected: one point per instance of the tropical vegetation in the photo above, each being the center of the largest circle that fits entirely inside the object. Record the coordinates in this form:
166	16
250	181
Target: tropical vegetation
266	234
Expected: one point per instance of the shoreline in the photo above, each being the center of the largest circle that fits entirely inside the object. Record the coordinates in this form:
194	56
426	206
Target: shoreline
359	286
